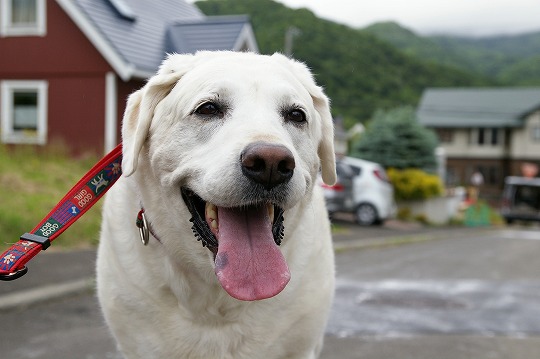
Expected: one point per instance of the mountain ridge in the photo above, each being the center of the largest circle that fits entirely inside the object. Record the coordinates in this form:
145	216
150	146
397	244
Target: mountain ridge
507	59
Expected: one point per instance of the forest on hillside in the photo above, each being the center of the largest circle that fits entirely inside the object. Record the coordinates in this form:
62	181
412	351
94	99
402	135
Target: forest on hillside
360	72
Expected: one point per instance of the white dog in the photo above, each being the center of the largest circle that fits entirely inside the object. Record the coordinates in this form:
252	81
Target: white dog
221	149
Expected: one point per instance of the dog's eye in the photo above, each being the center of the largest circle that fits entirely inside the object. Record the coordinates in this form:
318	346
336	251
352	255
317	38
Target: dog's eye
295	115
209	109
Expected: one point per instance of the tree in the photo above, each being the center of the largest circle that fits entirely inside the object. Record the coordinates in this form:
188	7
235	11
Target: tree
395	139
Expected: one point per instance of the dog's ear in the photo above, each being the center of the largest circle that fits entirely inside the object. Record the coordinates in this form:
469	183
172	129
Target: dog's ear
322	106
326	146
141	105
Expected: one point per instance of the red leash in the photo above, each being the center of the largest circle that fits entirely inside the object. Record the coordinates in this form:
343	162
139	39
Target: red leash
75	203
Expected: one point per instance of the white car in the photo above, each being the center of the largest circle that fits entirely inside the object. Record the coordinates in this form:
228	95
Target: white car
364	191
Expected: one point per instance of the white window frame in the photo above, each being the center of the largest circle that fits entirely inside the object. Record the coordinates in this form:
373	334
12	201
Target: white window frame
7	28
9	133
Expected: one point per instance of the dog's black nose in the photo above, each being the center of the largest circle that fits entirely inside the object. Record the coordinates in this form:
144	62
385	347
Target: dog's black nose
268	164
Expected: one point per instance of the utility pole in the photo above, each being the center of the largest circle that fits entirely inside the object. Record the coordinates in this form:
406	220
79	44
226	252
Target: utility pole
290	34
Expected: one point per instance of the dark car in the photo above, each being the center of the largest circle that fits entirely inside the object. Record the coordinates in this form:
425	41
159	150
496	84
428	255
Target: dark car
521	199
339	197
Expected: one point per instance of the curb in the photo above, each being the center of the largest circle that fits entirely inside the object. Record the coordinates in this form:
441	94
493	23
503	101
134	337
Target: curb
25	298
343	246
366	243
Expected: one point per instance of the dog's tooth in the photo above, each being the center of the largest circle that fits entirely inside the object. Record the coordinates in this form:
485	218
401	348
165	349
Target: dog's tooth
211	211
270	208
214	224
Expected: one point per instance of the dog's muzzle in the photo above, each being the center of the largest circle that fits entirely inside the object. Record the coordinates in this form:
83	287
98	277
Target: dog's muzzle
245	239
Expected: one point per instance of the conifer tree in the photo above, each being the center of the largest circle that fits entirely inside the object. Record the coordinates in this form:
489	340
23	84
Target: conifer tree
395	139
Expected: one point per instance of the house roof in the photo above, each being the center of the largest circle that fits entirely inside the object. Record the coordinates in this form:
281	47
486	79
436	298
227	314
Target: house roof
477	107
211	33
135	35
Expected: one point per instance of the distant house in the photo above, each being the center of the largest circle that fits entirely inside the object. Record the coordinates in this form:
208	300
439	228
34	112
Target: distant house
67	66
494	131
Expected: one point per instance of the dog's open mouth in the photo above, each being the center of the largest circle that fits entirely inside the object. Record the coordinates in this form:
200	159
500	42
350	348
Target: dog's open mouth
244	240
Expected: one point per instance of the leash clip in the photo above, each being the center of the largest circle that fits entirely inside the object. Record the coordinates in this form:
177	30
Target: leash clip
14	275
141	223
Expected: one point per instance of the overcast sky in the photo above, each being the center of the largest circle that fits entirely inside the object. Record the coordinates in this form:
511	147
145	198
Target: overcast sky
462	17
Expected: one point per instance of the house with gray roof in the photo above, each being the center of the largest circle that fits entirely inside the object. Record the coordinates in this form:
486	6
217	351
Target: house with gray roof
67	66
494	131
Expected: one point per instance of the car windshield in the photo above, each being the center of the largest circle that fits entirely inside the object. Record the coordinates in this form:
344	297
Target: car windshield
527	197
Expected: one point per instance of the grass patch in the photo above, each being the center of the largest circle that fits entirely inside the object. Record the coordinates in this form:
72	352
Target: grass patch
32	181
338	228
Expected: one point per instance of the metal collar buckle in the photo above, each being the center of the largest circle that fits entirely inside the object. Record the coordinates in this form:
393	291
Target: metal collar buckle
142	224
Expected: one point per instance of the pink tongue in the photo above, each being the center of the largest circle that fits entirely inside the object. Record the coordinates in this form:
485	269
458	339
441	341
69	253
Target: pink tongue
249	264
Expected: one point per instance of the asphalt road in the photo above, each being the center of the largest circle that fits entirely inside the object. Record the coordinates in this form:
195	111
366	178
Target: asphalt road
402	292
465	295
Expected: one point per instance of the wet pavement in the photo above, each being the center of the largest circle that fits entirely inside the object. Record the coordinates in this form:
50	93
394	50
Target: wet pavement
464	294
403	291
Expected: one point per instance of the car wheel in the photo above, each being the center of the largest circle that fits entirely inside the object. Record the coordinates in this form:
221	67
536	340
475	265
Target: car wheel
366	214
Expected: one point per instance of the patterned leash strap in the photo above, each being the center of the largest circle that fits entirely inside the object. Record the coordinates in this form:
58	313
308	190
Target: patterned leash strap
74	204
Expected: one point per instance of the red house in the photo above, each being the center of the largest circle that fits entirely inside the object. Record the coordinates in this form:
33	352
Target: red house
67	66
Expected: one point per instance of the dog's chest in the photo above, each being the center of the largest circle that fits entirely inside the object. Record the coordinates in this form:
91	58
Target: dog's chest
213	334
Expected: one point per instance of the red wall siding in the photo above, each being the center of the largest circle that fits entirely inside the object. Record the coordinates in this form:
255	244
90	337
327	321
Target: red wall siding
124	90
76	112
64	51
75	71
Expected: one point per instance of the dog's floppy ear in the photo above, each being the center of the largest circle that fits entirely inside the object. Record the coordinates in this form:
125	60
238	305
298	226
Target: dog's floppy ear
322	106
326	146
141	105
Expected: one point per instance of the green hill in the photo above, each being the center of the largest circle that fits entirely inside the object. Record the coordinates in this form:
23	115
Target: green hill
507	60
359	72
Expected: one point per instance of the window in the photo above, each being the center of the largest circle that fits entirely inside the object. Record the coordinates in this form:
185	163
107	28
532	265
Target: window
490	174
485	136
24	112
22	18
494	136
445	135
481	136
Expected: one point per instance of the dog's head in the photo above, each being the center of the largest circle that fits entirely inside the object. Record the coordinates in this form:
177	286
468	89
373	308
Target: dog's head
238	139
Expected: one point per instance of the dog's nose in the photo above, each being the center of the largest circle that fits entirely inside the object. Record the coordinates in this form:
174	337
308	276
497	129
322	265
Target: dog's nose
268	164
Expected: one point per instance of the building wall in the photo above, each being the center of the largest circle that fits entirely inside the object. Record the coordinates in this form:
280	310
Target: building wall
76	112
515	147
75	72
464	157
457	147
63	51
464	146
460	170
124	90
525	143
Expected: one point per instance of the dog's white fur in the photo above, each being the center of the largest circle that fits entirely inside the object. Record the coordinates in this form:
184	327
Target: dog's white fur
163	300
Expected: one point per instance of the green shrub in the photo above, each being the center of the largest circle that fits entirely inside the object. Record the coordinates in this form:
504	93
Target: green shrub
404	213
414	184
